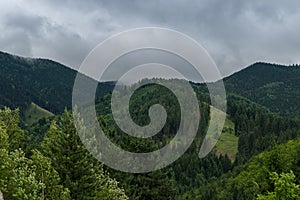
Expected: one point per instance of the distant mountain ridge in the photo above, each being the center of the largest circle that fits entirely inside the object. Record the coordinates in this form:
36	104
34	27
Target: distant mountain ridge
276	87
49	85
46	83
25	80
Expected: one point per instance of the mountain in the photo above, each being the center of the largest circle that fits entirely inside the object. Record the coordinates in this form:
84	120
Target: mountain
276	87
26	80
257	176
42	88
48	84
43	82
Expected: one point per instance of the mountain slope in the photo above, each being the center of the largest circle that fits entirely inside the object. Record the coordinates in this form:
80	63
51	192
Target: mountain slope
249	130
253	178
276	87
43	82
49	85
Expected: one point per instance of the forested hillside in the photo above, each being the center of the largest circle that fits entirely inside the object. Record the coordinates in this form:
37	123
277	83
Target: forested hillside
59	168
276	87
43	82
273	174
257	156
26	80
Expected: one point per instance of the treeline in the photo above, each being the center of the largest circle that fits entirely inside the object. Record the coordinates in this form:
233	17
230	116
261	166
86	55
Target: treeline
273	174
44	82
48	160
59	168
181	179
273	86
80	176
257	129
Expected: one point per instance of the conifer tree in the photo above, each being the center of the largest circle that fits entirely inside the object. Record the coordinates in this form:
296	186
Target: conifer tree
79	171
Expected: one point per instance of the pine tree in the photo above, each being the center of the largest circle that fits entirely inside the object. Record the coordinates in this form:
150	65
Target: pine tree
21	177
79	171
285	188
49	178
17	137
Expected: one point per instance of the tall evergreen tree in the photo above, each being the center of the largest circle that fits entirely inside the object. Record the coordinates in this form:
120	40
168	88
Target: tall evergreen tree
22	177
79	171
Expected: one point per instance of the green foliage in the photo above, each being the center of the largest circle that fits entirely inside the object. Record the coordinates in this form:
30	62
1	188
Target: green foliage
20	182
248	181
17	138
46	83
273	86
22	177
284	187
61	168
258	130
33	113
228	141
3	136
49	177
154	185
78	170
110	189
183	177
68	173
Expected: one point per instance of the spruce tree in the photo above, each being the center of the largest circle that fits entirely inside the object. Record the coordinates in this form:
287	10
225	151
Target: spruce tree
79	171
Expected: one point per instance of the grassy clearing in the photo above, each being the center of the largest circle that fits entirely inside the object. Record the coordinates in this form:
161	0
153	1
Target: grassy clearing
228	142
34	113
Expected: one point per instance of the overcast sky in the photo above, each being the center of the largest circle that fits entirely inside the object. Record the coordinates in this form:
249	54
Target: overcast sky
236	33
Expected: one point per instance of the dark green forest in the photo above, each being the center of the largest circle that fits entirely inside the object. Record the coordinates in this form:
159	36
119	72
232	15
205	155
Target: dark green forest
42	156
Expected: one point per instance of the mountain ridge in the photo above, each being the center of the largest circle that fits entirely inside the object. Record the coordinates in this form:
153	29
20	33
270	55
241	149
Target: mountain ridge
44	82
49	84
270	85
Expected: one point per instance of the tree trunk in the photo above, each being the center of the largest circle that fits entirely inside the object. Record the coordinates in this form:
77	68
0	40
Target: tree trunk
1	196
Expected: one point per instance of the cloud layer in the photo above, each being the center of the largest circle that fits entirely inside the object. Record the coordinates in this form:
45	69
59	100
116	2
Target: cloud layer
235	33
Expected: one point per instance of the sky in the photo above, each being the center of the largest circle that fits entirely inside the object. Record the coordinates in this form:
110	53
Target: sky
235	33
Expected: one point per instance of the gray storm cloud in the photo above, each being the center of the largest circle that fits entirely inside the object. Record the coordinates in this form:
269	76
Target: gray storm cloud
235	33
